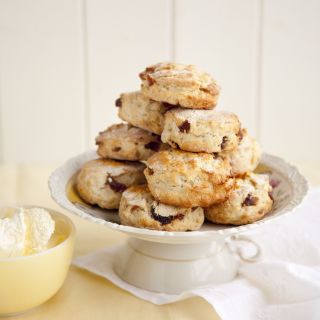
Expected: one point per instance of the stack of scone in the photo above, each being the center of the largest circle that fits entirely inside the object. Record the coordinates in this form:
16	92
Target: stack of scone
199	161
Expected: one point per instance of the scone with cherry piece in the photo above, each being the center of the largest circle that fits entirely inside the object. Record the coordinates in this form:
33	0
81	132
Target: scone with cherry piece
139	209
250	200
142	112
201	130
246	156
186	179
181	85
126	142
102	181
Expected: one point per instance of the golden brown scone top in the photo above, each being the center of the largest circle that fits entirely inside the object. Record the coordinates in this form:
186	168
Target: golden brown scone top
180	75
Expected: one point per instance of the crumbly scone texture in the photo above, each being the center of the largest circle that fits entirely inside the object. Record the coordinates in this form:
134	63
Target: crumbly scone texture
126	142
102	181
139	209
142	112
246	156
180	84
201	130
249	201
186	179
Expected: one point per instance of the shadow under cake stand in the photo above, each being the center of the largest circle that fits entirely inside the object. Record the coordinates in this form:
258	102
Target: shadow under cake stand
173	262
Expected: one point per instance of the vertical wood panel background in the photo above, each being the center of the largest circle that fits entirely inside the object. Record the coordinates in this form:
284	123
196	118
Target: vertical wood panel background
64	62
222	37
290	95
41	80
123	37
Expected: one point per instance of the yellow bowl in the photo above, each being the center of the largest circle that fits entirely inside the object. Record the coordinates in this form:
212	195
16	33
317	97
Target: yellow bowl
28	281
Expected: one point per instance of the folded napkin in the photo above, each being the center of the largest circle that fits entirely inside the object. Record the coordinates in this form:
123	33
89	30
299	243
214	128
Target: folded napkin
285	284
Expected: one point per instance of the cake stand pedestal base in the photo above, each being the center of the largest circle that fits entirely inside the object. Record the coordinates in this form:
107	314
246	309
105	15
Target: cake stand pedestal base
174	268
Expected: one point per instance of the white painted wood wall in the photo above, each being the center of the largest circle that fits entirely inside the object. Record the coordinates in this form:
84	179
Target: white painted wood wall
64	62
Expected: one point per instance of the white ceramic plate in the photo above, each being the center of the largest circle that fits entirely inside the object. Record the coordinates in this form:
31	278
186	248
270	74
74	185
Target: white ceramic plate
288	195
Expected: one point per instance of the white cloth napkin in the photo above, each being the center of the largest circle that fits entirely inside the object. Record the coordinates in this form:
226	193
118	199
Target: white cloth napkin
285	284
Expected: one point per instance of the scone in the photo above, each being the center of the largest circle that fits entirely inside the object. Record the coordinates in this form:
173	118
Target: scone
249	201
142	112
102	181
186	179
179	84
139	209
246	156
201	130
125	142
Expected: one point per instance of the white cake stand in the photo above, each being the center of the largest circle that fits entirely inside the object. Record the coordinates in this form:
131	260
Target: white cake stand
173	262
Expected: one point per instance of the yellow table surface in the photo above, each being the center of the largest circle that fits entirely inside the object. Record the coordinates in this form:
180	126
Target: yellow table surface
84	295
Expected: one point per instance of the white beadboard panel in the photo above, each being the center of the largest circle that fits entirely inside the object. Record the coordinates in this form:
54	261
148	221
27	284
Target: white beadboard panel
41	78
1	133
222	37
123	37
290	79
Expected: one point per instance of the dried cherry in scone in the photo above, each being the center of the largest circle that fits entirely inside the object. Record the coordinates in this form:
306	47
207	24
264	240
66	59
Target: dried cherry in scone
115	185
224	142
185	126
165	219
153	145
118	102
250	201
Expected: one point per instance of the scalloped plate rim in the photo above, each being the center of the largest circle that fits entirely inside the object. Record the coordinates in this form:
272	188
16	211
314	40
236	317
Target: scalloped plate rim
300	190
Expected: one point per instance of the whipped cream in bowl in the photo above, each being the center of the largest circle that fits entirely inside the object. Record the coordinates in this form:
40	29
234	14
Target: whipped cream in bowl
24	231
36	248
